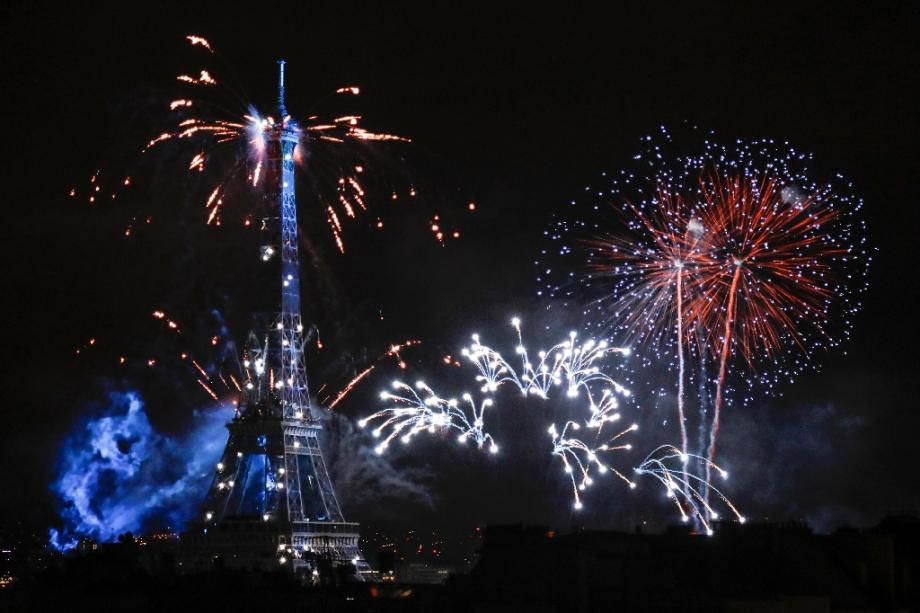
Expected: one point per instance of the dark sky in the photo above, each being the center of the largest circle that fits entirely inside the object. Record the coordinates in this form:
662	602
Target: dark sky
517	110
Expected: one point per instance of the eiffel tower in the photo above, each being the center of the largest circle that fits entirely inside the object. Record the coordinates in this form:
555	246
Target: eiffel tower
271	503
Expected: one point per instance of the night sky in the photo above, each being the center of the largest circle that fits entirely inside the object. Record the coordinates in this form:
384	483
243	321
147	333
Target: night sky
517	111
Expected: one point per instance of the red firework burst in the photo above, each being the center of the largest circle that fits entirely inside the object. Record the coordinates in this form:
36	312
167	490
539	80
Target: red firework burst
742	266
767	275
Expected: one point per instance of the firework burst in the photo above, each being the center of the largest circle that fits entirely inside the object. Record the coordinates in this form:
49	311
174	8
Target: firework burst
219	133
576	367
732	254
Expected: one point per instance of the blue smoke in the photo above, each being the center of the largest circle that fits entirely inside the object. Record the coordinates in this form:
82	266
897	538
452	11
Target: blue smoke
117	474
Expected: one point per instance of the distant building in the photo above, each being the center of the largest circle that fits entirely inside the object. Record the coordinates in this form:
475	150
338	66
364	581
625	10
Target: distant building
422	572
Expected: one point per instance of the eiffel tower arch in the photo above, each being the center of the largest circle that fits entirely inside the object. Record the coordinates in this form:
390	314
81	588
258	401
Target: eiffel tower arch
271	504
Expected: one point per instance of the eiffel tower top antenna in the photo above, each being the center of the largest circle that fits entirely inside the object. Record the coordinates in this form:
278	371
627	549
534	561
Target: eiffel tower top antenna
282	110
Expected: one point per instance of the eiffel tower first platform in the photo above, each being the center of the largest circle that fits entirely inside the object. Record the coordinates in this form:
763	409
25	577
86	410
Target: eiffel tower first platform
271	504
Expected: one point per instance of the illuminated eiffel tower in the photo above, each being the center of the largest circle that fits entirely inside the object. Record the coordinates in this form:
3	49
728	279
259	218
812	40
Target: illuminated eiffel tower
271	503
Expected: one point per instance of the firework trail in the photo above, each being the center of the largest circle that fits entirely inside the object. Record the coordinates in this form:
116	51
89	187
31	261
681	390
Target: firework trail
392	352
689	492
732	251
428	412
576	454
219	373
568	362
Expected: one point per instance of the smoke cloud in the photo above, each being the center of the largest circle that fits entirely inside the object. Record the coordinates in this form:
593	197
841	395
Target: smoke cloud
365	481
116	473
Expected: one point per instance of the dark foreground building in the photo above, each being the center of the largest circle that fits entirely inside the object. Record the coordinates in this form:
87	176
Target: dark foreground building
758	568
765	568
